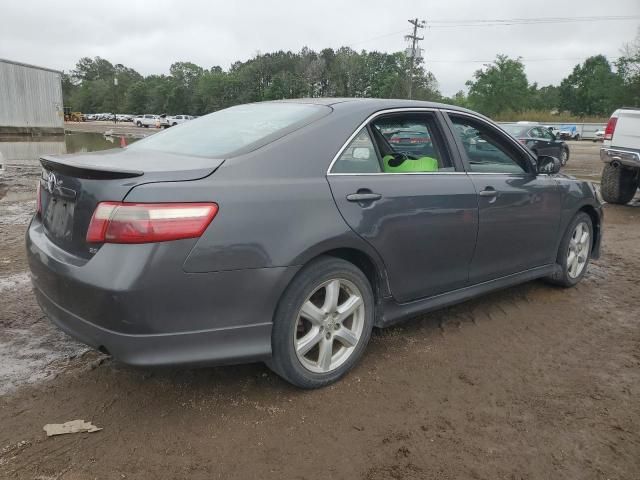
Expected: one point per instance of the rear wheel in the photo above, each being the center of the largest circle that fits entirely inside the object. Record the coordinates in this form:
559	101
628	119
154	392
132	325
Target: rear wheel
575	251
619	184
564	156
322	324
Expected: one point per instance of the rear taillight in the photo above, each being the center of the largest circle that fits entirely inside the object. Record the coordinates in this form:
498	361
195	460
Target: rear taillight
119	222
38	198
610	128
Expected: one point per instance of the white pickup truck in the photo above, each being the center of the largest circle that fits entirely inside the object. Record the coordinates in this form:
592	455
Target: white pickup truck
146	120
178	119
620	153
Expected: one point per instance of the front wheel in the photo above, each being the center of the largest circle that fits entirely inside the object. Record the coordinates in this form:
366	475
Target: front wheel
564	156
575	251
322	324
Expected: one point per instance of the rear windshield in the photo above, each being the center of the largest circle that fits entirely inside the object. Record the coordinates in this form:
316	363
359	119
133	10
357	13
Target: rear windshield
516	130
233	130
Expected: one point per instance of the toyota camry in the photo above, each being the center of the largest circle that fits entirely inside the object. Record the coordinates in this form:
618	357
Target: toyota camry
284	232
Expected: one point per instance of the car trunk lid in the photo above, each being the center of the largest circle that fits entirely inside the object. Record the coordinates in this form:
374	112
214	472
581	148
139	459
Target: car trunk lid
71	186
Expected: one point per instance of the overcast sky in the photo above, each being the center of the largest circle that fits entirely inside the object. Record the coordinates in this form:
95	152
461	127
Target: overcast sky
150	35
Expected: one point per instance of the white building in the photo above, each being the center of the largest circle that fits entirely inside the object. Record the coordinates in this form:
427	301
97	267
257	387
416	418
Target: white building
30	100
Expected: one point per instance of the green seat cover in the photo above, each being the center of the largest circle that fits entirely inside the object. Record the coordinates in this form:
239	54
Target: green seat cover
422	164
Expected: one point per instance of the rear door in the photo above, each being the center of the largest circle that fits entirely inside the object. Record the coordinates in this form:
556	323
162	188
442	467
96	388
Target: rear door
421	214
519	210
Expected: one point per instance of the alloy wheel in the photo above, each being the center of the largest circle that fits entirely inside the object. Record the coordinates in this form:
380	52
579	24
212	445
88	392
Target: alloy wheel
578	250
329	326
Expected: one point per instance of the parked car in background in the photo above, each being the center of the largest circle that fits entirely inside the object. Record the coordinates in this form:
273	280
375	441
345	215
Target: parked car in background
599	136
621	156
178	119
540	140
416	141
146	120
186	257
569	132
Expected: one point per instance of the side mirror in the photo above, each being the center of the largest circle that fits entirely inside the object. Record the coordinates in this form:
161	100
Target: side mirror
548	165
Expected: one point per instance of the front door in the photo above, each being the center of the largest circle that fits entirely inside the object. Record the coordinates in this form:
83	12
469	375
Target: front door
395	184
519	210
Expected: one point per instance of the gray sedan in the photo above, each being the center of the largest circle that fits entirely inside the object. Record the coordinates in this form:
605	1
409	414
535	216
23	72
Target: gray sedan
285	231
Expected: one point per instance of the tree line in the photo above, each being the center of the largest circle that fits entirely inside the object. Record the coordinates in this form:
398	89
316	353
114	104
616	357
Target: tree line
595	87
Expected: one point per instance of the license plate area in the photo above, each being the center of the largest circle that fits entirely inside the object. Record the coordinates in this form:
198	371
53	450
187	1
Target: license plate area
58	218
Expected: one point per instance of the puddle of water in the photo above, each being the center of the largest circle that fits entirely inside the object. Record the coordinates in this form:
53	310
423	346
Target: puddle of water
16	151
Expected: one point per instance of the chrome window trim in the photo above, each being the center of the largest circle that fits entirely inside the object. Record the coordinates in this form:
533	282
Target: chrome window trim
395	174
419	109
364	124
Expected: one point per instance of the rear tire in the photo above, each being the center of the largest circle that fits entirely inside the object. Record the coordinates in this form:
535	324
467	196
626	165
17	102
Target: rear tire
574	253
322	324
619	184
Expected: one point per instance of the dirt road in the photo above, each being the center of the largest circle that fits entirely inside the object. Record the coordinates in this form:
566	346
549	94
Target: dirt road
533	382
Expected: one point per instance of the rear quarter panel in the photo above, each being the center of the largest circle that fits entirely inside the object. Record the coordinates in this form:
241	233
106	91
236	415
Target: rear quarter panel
275	204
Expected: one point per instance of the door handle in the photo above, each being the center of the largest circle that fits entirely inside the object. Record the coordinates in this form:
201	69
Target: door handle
488	192
363	196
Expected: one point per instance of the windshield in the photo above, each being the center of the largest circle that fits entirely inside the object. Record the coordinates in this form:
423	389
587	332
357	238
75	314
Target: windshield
516	130
233	129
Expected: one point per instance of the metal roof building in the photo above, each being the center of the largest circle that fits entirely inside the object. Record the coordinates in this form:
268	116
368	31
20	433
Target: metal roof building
30	100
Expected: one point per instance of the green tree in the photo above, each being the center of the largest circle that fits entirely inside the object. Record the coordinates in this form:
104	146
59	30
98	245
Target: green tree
499	87
628	67
593	88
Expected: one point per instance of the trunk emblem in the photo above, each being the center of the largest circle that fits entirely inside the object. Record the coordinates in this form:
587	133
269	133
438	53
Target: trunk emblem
51	182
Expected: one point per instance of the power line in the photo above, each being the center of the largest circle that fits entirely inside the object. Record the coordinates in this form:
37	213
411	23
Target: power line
523	59
414	43
497	22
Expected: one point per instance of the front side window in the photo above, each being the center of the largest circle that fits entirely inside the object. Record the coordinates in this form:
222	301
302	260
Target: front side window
486	151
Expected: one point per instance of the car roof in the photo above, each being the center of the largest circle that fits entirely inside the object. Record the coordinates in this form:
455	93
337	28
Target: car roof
373	104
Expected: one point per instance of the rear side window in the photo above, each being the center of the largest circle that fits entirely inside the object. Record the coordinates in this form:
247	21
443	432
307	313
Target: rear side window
233	130
397	143
359	156
411	143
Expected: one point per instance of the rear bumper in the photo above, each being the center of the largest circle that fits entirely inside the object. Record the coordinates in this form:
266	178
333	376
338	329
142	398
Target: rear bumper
136	302
628	158
241	344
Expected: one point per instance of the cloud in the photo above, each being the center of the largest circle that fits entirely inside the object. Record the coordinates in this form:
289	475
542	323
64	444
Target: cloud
150	35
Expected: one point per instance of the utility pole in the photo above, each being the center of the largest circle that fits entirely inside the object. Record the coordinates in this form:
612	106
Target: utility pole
414	50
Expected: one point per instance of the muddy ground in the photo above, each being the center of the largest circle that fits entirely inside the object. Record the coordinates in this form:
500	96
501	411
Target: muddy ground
533	382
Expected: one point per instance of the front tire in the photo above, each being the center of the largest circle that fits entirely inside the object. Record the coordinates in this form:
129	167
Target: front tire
574	253
619	184
322	324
